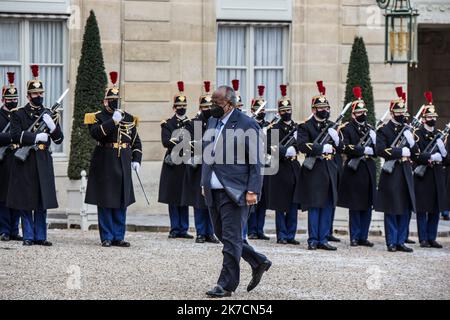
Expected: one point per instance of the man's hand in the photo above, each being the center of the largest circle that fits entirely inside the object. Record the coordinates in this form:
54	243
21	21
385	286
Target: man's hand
41	137
436	157
334	135
327	149
409	137
117	116
136	166
251	198
203	191
441	147
49	122
406	152
291	152
368	151
373	136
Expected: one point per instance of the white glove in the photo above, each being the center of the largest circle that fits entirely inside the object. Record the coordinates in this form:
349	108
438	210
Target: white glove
441	147
406	152
49	122
295	135
41	137
327	148
117	116
135	166
334	135
291	152
373	136
436	157
368	151
409	137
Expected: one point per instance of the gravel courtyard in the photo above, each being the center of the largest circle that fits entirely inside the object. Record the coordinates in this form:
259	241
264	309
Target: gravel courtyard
76	267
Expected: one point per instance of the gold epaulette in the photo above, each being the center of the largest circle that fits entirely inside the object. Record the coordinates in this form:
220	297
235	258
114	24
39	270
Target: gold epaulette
163	122
136	121
90	118
343	125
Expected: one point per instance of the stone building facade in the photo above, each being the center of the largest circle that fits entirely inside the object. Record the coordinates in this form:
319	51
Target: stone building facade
156	43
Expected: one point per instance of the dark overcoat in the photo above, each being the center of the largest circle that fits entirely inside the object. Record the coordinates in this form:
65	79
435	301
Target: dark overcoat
430	189
281	188
110	184
318	183
357	189
395	193
32	183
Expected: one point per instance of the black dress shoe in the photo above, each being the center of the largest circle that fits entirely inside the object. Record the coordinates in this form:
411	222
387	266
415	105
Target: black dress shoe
365	243
312	246
435	244
218	292
27	243
403	248
282	241
409	241
263	237
253	236
16	238
293	241
392	248
4	237
107	243
200	239
326	246
257	274
173	235
353	243
333	239
212	239
185	236
121	243
44	243
425	244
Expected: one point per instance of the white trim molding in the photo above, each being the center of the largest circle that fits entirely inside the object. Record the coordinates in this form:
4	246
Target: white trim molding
254	10
34	7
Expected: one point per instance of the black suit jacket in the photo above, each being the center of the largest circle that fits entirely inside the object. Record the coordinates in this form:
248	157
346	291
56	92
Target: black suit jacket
240	174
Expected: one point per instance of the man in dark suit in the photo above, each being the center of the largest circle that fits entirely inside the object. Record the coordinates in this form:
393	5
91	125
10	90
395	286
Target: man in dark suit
231	187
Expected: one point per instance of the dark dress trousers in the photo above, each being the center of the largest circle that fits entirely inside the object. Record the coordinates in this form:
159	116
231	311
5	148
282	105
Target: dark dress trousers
227	205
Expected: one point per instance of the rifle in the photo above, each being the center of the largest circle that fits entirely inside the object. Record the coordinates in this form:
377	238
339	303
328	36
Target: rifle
324	136
4	148
23	152
431	148
259	110
400	141
365	142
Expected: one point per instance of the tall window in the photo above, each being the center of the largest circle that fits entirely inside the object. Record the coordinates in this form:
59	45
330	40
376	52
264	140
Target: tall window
255	54
25	42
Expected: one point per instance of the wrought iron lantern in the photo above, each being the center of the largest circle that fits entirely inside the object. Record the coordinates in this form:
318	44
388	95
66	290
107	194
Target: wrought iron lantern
401	31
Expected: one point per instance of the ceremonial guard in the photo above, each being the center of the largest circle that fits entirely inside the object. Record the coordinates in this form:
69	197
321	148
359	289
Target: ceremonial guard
319	140
395	195
170	182
9	218
282	194
430	183
118	151
257	216
192	192
31	188
239	103
357	186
